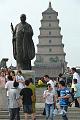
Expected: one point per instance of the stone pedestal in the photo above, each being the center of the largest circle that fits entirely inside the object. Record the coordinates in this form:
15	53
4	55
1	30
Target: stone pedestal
28	74
3	99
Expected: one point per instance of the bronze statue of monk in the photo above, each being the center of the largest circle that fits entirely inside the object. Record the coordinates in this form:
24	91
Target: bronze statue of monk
23	46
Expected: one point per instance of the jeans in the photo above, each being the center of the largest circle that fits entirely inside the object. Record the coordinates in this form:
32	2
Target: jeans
49	111
64	114
14	113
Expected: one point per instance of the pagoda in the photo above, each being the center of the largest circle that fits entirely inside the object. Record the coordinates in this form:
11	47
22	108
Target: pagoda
50	56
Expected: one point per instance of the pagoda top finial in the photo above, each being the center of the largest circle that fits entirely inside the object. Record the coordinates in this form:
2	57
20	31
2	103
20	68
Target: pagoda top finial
49	4
49	9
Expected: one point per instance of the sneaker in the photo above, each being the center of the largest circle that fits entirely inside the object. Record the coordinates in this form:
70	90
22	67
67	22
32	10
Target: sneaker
62	112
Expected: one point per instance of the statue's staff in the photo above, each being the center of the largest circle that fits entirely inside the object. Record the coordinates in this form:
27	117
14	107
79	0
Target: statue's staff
14	41
12	28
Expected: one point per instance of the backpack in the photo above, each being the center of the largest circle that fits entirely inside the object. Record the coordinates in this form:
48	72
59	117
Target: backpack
70	99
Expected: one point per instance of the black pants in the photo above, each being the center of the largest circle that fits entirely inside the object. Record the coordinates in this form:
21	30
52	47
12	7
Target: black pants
76	103
14	113
75	99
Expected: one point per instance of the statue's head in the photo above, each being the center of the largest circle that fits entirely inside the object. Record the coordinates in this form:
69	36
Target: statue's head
23	18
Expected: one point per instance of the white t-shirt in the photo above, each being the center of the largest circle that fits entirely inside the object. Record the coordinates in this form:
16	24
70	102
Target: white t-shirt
21	86
49	98
76	76
13	96
8	86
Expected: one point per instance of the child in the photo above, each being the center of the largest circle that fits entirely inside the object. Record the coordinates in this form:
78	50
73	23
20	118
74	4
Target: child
49	97
63	99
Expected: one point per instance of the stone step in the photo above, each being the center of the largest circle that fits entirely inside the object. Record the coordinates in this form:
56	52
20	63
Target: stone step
43	118
40	110
73	114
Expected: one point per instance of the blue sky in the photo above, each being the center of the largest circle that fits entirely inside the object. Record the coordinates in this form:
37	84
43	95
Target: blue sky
68	14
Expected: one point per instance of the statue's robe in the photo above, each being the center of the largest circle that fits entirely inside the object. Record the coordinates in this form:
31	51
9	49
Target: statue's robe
24	46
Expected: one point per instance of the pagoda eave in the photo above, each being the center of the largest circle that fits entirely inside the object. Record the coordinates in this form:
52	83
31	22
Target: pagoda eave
47	36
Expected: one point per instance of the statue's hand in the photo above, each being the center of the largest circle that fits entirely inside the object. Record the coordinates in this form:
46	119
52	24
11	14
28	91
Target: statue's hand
11	24
12	27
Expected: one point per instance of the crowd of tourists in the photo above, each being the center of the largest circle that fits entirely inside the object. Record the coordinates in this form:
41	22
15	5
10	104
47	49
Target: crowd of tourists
20	93
57	95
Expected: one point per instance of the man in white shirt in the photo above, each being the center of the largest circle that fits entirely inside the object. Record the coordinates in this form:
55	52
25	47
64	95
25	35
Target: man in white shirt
13	102
49	81
75	74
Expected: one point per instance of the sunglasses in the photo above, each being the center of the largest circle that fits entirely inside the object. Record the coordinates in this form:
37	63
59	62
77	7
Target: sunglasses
49	86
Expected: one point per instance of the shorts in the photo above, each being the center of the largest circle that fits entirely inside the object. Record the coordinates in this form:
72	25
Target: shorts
27	109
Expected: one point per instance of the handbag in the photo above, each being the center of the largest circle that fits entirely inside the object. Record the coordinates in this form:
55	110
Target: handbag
19	101
44	112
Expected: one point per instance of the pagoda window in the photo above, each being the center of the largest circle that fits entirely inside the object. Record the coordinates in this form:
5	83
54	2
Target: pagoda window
49	33
50	41
49	17
49	24
50	50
